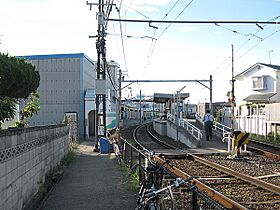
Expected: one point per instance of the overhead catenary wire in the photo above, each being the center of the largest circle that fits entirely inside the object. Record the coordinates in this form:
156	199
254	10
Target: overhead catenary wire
254	46
121	31
194	21
171	22
244	43
237	32
129	6
270	35
251	35
153	44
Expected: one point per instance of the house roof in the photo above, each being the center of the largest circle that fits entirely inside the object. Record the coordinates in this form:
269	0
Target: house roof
271	66
276	67
259	98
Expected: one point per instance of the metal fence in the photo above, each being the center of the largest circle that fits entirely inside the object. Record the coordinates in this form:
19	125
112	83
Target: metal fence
194	131
194	199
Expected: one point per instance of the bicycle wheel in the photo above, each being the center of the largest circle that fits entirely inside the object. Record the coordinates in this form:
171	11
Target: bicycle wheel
167	201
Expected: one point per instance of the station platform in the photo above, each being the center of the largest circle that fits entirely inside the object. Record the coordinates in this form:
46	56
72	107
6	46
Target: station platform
91	181
208	147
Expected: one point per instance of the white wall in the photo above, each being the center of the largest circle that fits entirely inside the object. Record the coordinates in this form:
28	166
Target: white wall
244	86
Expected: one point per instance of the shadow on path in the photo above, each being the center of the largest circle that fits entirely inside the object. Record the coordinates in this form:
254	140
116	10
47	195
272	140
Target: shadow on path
92	181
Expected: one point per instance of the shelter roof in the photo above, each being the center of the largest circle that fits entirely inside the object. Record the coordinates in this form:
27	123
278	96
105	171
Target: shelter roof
164	97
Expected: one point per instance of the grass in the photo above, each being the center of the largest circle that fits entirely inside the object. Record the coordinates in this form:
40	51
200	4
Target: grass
131	179
270	138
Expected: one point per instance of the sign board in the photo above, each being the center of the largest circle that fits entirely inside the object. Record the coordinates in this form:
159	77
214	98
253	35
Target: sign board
111	120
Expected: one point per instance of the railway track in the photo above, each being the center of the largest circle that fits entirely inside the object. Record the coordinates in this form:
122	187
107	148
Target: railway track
237	186
270	150
145	139
253	181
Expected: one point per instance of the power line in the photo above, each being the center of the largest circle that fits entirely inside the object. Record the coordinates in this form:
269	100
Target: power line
153	44
257	44
121	31
194	21
252	35
171	22
237	32
129	6
133	36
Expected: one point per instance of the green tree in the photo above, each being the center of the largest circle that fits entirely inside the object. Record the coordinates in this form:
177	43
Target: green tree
17	80
7	108
32	107
17	77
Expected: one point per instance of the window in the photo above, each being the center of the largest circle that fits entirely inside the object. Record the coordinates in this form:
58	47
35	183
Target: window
259	83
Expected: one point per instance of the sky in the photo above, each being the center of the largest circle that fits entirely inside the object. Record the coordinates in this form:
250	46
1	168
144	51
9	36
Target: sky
176	51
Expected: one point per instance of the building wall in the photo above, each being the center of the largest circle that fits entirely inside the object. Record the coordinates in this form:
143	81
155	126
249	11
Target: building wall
26	156
88	82
64	79
244	86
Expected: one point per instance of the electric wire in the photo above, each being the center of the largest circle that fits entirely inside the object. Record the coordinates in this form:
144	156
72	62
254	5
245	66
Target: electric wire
122	39
153	43
244	43
237	32
270	35
175	18
129	6
238	58
111	80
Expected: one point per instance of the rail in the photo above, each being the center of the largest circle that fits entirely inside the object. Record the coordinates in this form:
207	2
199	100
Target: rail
194	131
204	197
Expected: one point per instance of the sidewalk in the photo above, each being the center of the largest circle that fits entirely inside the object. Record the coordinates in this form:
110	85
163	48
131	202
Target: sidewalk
92	181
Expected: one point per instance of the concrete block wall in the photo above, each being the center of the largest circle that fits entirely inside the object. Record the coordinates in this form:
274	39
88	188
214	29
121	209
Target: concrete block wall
160	126
26	156
183	135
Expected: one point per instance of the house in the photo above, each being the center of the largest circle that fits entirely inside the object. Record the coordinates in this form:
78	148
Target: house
254	88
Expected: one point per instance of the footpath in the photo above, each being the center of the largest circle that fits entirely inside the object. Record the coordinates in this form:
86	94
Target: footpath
93	181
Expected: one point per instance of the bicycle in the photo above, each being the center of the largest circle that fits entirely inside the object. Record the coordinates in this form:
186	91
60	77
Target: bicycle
151	196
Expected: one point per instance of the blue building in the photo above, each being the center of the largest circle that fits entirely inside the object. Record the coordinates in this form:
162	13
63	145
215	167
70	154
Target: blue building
64	80
68	85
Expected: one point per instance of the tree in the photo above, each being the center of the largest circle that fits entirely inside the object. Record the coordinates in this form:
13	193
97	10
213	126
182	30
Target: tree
32	107
17	80
17	77
7	108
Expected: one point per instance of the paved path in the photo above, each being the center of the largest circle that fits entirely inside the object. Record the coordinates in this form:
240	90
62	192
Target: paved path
92	181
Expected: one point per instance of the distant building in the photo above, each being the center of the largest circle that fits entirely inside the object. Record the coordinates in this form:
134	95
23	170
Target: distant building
67	85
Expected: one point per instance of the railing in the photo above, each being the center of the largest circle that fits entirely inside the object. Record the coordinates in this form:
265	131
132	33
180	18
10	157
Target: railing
194	131
198	199
219	127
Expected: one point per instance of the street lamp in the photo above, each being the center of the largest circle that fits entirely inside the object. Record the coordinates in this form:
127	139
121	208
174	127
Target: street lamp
177	108
270	51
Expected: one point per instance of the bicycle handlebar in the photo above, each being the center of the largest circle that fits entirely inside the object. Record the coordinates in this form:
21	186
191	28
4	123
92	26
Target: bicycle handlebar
149	170
177	183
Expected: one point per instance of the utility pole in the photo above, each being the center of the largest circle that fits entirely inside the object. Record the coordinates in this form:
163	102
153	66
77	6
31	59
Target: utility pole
101	67
232	91
177	115
140	114
119	114
211	95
